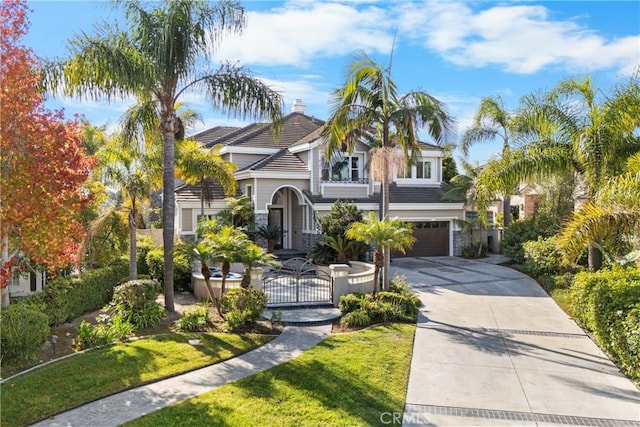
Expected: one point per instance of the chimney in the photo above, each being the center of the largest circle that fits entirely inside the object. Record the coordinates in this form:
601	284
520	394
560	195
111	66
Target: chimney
298	107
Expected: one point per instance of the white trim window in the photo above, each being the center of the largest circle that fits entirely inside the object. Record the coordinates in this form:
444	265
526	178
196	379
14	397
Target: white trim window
422	170
344	168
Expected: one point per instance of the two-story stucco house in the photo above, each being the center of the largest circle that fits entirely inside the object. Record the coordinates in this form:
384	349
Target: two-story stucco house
291	185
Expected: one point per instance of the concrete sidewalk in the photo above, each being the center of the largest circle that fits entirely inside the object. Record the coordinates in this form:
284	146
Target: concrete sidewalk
492	348
126	406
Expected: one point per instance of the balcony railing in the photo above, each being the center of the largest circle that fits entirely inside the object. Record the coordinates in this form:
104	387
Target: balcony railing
346	181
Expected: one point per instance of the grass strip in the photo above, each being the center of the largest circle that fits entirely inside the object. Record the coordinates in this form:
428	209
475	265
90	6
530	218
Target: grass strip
86	377
347	380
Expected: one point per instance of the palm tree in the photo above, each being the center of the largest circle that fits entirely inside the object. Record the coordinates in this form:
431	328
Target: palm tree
386	235
135	176
368	103
157	61
198	165
227	246
614	212
253	256
490	122
203	252
572	129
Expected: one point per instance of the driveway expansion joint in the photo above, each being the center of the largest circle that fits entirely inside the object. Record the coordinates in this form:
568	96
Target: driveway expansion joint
458	411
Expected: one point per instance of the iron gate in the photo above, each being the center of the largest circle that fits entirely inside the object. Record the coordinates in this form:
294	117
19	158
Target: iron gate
298	281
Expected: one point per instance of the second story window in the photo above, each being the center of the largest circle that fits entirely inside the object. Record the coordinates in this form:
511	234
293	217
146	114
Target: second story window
423	170
420	170
343	169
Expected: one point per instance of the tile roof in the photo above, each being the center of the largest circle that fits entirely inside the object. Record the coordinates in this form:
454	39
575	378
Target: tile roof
207	136
260	135
418	195
191	192
282	161
402	194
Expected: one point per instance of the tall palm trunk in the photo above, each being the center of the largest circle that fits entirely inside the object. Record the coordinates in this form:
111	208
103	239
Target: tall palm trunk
133	265
167	127
201	199
206	274
384	211
378	262
506	211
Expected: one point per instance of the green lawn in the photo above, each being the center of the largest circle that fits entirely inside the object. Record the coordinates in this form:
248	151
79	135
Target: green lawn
347	380
71	382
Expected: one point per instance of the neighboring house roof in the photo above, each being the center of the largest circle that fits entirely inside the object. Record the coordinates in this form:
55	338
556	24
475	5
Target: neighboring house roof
191	192
283	160
260	135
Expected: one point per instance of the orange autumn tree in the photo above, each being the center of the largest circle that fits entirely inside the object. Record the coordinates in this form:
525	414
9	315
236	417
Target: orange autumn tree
42	160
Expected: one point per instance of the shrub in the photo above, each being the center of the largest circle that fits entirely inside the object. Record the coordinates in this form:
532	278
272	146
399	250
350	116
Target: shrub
66	298
88	335
181	268
398	305
542	256
356	318
471	251
350	302
243	306
514	236
607	303
195	320
135	302
24	329
143	247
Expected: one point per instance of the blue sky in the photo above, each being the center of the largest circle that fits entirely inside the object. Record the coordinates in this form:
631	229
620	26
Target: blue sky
458	51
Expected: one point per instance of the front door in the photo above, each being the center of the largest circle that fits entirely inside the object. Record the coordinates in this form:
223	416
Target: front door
276	220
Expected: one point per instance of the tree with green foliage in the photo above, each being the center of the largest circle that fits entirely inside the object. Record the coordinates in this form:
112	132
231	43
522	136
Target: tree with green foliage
198	165
253	256
369	103
386	235
614	212
133	175
492	121
157	60
572	128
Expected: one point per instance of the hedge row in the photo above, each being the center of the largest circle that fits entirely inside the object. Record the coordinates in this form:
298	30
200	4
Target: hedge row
607	303
66	298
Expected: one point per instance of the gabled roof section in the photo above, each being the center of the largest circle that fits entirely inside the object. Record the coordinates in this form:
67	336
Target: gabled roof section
282	161
191	192
260	135
208	135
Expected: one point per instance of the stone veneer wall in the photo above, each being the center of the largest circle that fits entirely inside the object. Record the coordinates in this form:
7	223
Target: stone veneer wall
309	239
260	219
458	243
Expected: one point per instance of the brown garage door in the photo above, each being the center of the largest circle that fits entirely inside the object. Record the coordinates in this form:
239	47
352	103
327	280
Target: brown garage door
432	239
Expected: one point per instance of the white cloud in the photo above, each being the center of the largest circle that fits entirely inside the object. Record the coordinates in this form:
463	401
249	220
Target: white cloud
297	32
521	39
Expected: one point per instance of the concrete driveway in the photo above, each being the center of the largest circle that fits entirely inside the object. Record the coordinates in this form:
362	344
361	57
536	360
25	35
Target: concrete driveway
492	348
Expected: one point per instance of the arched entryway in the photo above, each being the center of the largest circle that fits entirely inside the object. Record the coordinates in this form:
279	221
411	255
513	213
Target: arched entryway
289	211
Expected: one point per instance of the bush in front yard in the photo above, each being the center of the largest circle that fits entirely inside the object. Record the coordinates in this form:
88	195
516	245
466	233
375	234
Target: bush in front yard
135	301
243	306
542	256
181	268
400	304
24	329
66	298
515	236
607	302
